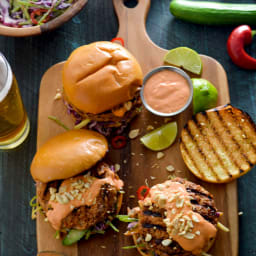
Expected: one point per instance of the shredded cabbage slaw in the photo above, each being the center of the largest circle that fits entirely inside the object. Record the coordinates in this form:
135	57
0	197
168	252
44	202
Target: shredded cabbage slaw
27	13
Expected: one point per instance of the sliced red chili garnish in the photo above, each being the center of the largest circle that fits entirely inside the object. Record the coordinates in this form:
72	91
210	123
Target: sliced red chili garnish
120	39
119	142
142	192
38	12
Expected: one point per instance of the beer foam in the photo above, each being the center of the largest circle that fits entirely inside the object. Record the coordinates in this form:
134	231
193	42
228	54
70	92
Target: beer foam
5	77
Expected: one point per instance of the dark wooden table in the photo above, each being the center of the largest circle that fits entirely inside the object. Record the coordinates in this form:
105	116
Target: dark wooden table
31	57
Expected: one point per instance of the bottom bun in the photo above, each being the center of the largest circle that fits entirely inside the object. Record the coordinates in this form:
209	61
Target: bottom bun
208	247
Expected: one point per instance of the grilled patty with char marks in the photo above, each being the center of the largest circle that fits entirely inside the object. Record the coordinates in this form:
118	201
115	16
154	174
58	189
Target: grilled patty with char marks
151	221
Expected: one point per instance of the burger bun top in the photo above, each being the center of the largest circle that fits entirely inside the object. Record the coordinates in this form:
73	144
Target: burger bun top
67	155
99	76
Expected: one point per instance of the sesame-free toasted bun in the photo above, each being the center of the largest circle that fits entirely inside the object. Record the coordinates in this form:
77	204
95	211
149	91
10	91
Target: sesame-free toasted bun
219	145
99	76
67	155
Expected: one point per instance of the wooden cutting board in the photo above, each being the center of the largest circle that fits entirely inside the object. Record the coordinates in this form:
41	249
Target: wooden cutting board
137	163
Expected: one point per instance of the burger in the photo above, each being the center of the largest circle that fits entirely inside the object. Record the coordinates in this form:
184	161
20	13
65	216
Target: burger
78	197
176	218
101	84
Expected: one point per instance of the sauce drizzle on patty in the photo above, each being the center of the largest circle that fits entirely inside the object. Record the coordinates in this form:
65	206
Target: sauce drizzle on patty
76	192
184	226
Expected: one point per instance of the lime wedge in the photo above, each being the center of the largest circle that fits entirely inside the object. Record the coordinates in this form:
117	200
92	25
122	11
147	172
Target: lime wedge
160	138
186	58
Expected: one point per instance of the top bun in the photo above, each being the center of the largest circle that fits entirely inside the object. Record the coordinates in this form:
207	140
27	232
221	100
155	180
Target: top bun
67	155
99	76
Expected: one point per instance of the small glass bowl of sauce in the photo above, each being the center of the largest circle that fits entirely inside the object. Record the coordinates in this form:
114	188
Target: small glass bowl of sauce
166	91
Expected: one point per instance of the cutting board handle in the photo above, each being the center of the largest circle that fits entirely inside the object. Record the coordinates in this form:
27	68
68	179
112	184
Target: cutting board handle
132	20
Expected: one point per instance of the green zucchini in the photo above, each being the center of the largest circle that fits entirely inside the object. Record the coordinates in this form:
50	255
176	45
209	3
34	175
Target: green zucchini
213	13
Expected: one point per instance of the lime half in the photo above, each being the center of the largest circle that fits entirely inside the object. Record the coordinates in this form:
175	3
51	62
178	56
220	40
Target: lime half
186	58
160	138
205	95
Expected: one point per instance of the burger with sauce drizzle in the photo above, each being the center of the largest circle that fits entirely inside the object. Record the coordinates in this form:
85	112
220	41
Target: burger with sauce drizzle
77	197
176	218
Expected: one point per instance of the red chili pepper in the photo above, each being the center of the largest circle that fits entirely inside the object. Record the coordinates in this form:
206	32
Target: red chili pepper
38	12
240	37
142	192
119	142
120	39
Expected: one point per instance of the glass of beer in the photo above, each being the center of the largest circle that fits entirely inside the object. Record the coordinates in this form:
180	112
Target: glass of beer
14	123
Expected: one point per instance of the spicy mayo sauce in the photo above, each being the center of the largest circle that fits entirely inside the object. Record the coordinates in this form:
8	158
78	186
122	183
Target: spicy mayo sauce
188	228
91	188
166	91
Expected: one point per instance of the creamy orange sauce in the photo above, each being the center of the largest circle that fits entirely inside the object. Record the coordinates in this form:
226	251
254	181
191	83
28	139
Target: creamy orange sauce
88	196
166	91
184	226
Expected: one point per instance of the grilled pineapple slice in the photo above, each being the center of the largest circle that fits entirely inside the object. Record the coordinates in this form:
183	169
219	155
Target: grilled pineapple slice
219	145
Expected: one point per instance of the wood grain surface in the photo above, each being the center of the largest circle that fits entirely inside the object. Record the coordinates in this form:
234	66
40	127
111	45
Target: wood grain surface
142	164
30	57
132	29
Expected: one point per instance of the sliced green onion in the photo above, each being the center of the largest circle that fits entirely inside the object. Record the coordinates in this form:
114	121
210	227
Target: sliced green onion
112	226
28	4
24	23
82	124
133	246
40	22
31	203
88	234
16	6
25	11
26	7
35	210
101	232
222	227
42	19
57	234
126	218
57	121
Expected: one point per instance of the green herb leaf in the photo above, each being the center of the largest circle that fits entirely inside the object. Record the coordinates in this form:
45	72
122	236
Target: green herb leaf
57	234
57	121
88	234
133	246
126	218
31	203
35	210
82	124
112	226
101	232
